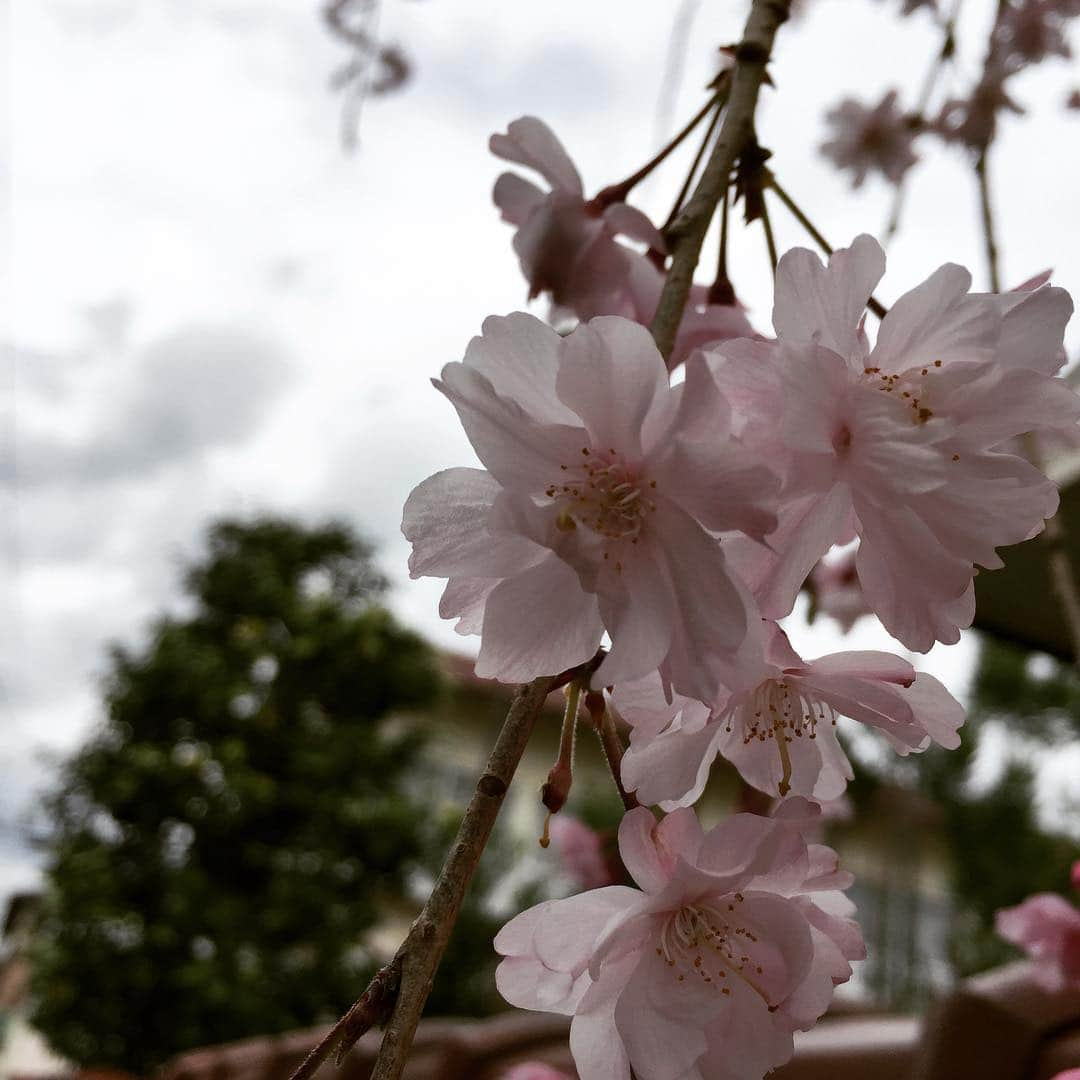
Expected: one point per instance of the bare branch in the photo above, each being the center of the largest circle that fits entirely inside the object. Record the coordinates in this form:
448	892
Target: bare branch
687	234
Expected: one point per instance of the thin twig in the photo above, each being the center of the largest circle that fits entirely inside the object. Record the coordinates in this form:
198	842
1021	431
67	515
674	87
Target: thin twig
420	952
617	192
989	235
613	753
425	944
770	241
692	174
687	233
371	1008
943	56
875	305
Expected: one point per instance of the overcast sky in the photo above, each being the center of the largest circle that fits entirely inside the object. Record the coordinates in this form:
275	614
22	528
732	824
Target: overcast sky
213	309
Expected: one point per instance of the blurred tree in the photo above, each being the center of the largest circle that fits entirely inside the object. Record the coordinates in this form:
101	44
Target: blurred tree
1000	852
238	819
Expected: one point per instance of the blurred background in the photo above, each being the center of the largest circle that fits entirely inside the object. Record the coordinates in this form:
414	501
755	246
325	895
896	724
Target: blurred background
234	737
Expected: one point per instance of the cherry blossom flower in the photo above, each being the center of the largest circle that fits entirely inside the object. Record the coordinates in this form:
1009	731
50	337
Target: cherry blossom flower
836	590
904	444
605	487
566	245
972	121
866	139
581	852
1030	31
534	1070
735	940
1047	927
779	731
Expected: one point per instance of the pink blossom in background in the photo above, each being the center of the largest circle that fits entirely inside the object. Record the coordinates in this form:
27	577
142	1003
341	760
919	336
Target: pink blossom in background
1068	1074
567	246
972	121
868	140
1074	875
779	731
605	487
904	444
1047	927
1030	31
735	940
581	852
534	1070
836	590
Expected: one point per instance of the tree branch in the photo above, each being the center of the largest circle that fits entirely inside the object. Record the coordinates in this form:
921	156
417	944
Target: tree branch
989	234
418	957
687	234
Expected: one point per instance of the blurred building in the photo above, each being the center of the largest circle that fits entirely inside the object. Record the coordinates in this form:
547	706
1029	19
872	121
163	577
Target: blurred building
24	1055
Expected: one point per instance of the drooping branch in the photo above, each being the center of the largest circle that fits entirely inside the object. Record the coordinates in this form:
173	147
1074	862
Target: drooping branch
423	948
402	986
687	233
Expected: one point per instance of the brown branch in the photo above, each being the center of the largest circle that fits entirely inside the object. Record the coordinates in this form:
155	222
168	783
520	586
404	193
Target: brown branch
371	1008
425	944
687	234
401	988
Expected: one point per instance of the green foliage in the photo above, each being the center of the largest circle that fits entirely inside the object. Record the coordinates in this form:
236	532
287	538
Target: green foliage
237	820
999	851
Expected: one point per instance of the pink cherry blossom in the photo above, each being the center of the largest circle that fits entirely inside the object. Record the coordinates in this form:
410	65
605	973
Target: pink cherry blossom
735	940
1047	927
581	852
605	487
1030	31
903	444
779	731
972	121
865	140
533	1070
836	590
566	245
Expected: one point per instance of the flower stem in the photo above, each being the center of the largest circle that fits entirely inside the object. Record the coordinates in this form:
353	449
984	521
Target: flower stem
687	232
692	174
989	234
602	714
875	305
614	193
770	241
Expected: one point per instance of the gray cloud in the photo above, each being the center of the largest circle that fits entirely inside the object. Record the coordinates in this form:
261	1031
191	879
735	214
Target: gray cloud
197	389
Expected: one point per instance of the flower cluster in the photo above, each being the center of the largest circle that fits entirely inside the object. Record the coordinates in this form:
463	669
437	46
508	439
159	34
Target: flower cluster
1024	32
735	936
652	529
